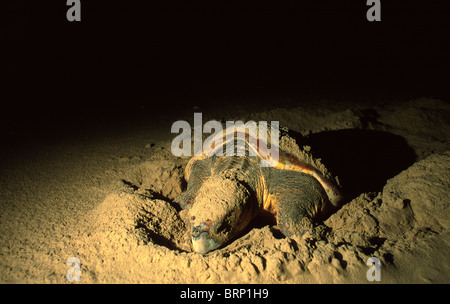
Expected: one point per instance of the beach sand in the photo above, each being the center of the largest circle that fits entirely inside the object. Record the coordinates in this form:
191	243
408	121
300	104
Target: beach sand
104	196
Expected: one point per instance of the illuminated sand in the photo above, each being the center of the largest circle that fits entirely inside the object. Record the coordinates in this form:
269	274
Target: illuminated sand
107	201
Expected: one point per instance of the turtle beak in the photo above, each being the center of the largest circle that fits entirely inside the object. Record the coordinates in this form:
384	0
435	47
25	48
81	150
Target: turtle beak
201	240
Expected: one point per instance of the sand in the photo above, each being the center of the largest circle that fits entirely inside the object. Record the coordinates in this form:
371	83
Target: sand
106	199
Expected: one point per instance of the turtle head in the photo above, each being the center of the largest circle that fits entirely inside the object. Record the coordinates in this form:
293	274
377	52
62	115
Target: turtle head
221	210
202	242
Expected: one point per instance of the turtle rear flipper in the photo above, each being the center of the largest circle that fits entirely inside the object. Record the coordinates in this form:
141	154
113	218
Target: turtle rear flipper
197	173
300	200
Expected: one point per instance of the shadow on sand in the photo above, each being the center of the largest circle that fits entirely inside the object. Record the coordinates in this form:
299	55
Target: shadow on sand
362	159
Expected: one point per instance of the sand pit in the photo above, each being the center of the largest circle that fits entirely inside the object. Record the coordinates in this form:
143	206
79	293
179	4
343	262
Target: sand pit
131	231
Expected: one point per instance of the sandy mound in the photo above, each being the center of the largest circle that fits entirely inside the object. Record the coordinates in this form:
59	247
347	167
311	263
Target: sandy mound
135	226
109	203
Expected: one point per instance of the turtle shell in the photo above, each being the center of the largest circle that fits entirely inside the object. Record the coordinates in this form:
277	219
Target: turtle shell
251	139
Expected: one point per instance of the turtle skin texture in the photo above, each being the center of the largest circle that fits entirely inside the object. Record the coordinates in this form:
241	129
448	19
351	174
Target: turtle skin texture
225	193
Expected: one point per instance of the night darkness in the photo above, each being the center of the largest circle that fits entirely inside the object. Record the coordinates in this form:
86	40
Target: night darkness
88	169
125	54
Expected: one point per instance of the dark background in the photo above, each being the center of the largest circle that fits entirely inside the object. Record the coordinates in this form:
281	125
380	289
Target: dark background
126	56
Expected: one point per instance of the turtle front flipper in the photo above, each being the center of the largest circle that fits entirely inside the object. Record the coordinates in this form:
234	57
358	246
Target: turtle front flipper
299	200
196	173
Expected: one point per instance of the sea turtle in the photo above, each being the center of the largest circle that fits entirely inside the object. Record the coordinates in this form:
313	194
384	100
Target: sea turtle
224	193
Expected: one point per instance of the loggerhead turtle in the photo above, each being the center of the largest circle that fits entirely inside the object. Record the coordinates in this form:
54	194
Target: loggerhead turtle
224	193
